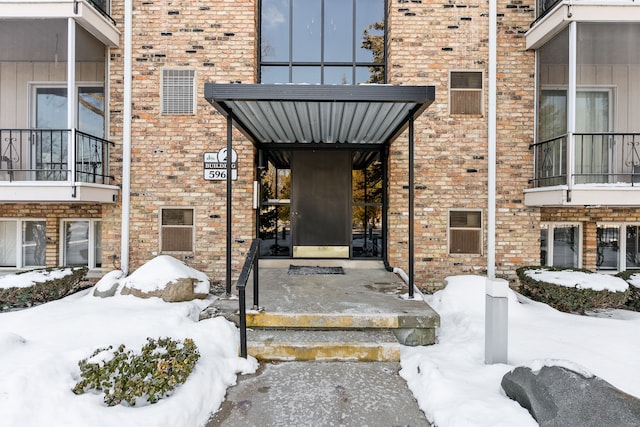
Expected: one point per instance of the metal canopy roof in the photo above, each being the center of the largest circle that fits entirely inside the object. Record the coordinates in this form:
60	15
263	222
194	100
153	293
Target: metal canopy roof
295	113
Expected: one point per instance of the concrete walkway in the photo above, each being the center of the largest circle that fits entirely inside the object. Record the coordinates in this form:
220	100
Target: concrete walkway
321	394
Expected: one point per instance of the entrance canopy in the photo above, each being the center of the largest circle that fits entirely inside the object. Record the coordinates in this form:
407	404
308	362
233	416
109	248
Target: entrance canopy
296	113
356	117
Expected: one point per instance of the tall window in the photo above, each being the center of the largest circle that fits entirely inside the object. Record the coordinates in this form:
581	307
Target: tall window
560	244
22	243
465	232
322	41
176	231
81	242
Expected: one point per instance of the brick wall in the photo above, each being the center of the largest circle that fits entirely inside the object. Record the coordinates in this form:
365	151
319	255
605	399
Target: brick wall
427	40
218	40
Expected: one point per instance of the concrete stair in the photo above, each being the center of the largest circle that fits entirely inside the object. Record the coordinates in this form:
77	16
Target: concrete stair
359	316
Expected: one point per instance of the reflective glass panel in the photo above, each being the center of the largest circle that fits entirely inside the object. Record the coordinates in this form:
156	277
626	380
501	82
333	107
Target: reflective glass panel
34	242
338	27
310	75
553	66
633	247
76	243
608	245
306	25
369	41
565	246
8	244
338	75
274	36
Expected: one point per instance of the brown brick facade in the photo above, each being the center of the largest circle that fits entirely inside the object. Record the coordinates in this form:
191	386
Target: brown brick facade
217	40
428	40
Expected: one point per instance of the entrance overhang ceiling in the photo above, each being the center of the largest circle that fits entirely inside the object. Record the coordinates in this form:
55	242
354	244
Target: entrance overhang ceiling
328	114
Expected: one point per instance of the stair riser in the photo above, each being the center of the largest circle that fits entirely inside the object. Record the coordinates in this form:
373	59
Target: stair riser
325	352
320	321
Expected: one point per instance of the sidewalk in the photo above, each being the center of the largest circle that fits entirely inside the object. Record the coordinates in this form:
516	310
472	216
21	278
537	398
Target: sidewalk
318	394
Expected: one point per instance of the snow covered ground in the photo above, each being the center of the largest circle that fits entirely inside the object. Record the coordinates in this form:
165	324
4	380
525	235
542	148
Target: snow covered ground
41	346
454	387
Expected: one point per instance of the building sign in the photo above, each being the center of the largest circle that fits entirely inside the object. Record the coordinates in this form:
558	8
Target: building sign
215	165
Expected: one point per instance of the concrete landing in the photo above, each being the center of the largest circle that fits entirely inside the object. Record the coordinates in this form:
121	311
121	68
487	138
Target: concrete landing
320	394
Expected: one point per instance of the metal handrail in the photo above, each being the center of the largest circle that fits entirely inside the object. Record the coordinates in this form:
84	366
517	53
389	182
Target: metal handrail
250	263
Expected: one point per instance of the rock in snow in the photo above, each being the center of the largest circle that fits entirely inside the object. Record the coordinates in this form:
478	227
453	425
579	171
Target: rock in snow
557	396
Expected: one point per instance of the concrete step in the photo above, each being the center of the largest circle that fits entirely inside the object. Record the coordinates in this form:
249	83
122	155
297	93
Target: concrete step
369	345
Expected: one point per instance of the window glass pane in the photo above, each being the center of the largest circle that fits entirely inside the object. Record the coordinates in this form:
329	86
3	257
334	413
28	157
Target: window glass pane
370	31
366	231
544	234
51	108
8	244
552	116
76	243
97	243
306	22
338	75
34	242
306	75
275	31
608	244
369	75
274	75
338	31
91	111
633	247
565	246
553	77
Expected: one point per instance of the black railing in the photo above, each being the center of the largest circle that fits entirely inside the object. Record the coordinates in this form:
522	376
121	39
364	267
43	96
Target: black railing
92	159
598	158
550	162
250	263
42	155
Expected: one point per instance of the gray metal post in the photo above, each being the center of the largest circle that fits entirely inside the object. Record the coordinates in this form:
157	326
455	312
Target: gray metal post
496	321
229	199
411	213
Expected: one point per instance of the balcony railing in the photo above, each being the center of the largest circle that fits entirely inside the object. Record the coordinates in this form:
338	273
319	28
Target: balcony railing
587	158
43	155
103	7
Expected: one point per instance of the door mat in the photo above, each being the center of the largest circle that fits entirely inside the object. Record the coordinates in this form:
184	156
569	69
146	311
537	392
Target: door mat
306	270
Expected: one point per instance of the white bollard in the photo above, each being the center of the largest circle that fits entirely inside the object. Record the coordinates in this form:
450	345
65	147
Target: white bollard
496	321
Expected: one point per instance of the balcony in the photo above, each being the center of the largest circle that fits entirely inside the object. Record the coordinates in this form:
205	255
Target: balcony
92	15
55	165
586	169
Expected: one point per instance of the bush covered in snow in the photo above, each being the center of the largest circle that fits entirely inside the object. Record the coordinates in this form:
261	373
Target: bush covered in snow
633	278
123	375
572	290
27	288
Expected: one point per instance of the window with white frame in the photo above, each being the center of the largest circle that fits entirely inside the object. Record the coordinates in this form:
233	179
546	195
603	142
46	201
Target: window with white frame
81	242
617	246
465	232
178	91
22	243
465	92
176	230
561	244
